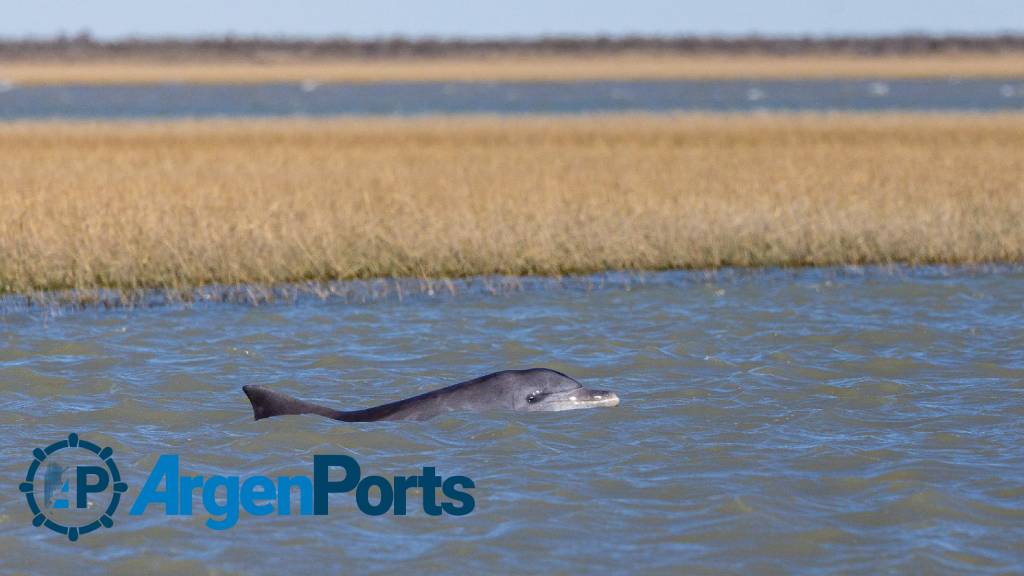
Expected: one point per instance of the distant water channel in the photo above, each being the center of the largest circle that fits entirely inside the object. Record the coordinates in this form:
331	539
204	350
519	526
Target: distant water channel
403	99
831	420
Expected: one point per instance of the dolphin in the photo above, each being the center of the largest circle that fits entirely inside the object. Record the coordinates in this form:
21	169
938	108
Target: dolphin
532	390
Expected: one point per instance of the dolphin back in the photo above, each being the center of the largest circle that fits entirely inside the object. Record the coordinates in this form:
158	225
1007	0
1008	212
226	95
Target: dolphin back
486	392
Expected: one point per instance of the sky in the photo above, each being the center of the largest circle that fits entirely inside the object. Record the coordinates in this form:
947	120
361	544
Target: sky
111	19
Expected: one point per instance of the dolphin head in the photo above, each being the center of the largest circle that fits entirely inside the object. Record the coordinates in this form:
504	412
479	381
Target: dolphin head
544	390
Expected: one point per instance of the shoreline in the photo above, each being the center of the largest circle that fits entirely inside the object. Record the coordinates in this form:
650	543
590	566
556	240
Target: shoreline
368	290
504	68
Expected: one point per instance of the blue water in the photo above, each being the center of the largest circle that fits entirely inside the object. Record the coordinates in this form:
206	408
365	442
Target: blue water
180	100
814	421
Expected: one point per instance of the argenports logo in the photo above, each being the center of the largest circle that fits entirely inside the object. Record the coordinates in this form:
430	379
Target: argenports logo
79	488
73	487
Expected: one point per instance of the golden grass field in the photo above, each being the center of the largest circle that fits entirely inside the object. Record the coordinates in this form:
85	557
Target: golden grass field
181	204
636	66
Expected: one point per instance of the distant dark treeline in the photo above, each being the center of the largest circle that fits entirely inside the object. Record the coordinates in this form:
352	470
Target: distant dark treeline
84	46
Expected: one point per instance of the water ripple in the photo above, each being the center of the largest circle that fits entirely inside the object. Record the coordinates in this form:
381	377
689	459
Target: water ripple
853	420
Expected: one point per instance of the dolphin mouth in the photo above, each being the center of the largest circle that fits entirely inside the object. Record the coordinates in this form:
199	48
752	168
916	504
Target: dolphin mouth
578	399
600	398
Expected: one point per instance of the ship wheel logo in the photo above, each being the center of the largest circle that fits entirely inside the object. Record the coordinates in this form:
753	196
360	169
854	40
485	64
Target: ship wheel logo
73	487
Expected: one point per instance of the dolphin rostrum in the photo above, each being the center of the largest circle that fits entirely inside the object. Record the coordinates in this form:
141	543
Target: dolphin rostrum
536	389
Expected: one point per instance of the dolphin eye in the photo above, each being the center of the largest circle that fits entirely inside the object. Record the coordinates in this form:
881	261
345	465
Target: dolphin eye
535	396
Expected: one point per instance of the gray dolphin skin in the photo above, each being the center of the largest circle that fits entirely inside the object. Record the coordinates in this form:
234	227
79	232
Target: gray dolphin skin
532	390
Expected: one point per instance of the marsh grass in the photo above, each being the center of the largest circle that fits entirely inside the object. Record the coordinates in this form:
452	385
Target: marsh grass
540	68
173	206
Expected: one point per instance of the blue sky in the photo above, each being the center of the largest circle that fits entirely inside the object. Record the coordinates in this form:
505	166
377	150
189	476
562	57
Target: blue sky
446	18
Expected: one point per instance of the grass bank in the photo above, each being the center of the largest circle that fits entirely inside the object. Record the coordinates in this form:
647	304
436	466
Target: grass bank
181	204
543	68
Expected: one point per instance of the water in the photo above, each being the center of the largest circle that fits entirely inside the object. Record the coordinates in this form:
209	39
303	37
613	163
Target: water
820	420
182	100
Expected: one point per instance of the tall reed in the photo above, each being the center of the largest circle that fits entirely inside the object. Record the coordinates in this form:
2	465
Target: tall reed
180	204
